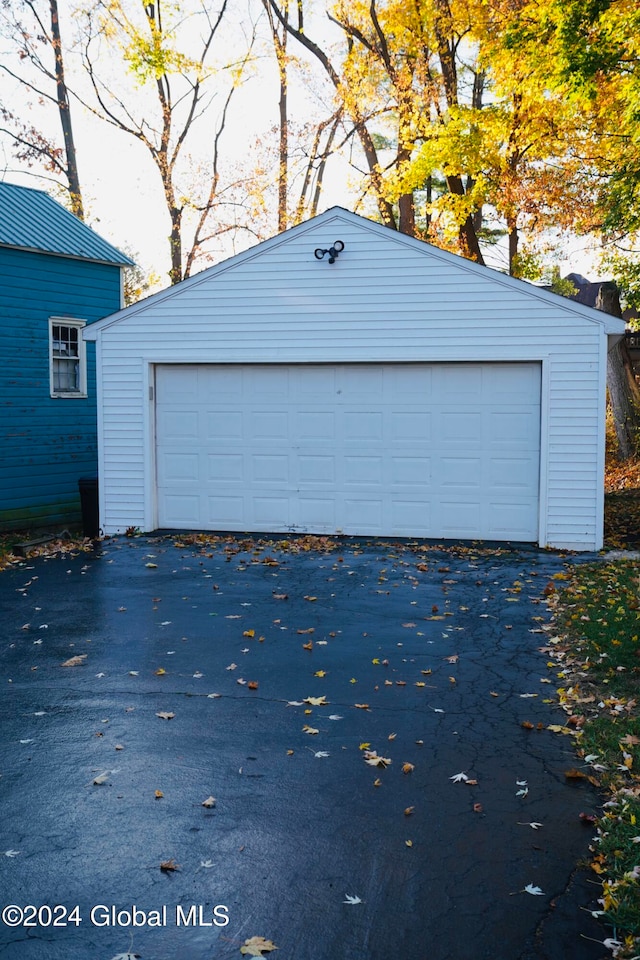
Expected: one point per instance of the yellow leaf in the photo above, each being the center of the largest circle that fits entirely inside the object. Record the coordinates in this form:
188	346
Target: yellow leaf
310	730
408	767
364	746
320	673
256	946
160	672
409	843
248	633
316	701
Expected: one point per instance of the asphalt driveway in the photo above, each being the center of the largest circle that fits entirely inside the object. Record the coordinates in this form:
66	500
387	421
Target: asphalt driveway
343	751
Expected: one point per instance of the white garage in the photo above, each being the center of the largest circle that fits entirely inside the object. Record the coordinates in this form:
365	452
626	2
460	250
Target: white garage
427	450
399	391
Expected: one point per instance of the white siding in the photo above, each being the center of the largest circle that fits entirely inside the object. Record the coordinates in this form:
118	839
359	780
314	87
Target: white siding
387	298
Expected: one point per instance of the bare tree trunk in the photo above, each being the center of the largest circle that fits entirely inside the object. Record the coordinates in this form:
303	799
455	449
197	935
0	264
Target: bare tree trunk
512	230
280	47
624	394
73	177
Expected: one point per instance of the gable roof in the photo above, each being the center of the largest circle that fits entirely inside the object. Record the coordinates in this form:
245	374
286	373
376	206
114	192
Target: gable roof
32	220
334	217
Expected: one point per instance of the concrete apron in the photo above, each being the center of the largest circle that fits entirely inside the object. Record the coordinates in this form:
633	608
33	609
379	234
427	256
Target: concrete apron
427	657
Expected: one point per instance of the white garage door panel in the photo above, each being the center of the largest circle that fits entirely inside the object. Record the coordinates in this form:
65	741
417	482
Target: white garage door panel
431	450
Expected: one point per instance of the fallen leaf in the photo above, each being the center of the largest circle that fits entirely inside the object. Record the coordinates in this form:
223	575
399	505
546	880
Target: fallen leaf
351	900
75	661
252	685
311	599
630	740
160	672
256	946
232	666
321	753
408	767
459	778
533	825
248	633
408	843
408	811
362	706
280	596
335	716
534	891
101	779
152	566
477	808
316	702
312	731
372	758
12	853
320	673
308	646
209	802
158	794
169	865
308	630
165	716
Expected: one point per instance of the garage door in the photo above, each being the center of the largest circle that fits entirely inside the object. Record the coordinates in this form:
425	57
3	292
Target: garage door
424	450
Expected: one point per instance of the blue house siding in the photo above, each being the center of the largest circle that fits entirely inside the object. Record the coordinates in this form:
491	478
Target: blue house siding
47	443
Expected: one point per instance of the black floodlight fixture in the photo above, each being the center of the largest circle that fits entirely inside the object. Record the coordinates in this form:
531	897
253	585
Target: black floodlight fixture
333	251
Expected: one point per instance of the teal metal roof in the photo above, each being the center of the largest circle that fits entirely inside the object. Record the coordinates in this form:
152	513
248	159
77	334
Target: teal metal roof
32	220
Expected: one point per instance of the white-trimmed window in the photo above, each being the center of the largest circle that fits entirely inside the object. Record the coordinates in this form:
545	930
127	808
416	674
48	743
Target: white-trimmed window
67	358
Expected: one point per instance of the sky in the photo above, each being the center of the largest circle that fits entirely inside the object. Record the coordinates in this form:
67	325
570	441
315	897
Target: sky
121	186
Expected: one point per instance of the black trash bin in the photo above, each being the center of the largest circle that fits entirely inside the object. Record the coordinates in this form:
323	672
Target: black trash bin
88	487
